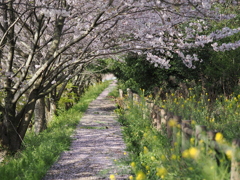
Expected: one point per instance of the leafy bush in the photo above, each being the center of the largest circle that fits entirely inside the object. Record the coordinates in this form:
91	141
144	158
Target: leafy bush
136	73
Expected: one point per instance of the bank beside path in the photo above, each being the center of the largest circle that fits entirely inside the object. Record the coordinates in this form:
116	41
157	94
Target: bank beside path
96	147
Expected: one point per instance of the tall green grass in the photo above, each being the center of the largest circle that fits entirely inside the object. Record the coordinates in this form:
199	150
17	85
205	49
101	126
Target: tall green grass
221	114
153	157
41	151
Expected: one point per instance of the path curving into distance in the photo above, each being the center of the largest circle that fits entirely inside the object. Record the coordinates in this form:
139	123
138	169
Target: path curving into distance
97	144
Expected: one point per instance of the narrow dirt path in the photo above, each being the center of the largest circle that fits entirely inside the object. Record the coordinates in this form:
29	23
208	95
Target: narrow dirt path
97	144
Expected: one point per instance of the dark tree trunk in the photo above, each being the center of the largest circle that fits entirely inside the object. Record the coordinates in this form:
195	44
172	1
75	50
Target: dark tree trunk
9	135
14	126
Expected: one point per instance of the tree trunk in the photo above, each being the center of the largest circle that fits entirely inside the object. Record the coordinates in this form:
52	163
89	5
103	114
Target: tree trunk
9	135
14	126
40	122
51	109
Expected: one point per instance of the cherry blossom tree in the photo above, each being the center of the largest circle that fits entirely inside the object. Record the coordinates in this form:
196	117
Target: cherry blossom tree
163	28
45	43
38	53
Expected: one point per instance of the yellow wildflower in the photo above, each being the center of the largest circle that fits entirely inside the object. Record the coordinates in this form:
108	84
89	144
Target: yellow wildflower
112	177
229	154
185	153
145	135
163	158
190	168
193	122
172	123
192	140
153	158
145	150
130	177
219	137
210	151
161	171
193	152
212	119
133	164
140	176
173	157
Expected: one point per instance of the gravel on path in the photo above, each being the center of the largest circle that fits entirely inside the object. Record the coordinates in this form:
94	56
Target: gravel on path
97	144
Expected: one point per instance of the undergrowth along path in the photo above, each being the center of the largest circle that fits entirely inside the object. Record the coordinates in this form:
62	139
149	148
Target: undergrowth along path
97	144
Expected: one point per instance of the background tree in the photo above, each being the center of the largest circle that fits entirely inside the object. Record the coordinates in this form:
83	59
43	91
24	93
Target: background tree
38	54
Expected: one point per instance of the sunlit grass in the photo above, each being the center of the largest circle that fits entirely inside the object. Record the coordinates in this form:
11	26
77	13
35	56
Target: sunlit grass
41	151
221	114
152	155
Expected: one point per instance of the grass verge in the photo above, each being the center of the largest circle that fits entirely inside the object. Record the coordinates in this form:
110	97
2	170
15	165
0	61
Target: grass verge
153	157
42	150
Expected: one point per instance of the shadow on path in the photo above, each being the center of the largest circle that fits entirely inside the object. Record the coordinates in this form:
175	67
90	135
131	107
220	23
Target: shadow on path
97	143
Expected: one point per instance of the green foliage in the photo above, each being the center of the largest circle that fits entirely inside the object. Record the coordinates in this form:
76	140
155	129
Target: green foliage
154	158
68	97
99	66
136	73
41	151
219	72
220	114
142	140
